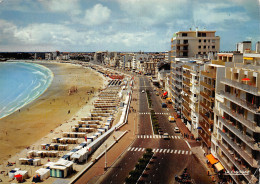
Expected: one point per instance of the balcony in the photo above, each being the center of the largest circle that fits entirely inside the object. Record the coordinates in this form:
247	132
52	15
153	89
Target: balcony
186	91
187	75
240	118
181	50
208	86
208	120
182	44
178	86
186	98
205	106
224	163
187	116
177	79
249	106
204	139
203	126
249	159
186	106
209	74
186	83
209	98
186	66
241	86
247	140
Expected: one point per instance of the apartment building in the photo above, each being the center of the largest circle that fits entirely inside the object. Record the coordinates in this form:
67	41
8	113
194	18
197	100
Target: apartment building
190	94
236	136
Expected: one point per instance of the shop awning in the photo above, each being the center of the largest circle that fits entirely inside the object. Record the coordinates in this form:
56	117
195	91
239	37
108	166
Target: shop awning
211	159
219	166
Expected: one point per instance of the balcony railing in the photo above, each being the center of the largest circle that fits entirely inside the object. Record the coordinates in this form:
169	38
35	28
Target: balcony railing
209	98
204	139
241	86
187	75
249	159
209	74
187	116
244	103
186	83
205	106
206	129
208	86
206	118
240	118
228	168
186	106
186	91
186	98
177	79
247	140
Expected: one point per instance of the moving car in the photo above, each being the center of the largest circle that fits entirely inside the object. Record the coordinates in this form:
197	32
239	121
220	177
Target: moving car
160	132
166	136
176	130
142	91
171	119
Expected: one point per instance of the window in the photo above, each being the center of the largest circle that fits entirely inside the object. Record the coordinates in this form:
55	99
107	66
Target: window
208	40
213	46
199	40
203	34
208	47
184	34
199	52
213	41
199	46
204	46
204	52
185	41
205	41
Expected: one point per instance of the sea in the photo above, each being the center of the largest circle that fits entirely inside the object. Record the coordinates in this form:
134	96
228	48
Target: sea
20	84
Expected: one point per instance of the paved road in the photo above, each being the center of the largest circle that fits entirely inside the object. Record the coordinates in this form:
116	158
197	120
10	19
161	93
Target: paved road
171	156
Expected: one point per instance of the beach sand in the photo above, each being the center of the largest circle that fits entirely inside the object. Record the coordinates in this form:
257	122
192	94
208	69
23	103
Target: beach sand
35	120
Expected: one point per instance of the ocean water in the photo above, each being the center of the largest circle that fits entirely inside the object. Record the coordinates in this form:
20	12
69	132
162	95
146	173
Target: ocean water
20	84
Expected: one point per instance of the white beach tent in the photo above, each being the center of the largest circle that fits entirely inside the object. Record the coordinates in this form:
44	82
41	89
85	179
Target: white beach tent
44	173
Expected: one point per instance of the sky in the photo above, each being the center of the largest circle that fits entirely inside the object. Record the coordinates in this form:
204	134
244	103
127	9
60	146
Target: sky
121	25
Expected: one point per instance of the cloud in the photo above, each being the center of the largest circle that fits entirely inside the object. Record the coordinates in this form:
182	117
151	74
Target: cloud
71	7
97	15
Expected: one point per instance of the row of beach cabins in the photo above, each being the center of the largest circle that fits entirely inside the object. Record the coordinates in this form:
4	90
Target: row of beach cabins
81	141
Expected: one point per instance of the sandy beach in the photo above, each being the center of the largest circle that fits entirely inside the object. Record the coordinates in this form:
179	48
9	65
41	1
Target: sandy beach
37	119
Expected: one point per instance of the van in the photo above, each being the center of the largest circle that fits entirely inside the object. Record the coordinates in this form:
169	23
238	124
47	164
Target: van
171	119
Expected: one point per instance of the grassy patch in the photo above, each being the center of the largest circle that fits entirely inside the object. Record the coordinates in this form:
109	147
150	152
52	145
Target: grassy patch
155	122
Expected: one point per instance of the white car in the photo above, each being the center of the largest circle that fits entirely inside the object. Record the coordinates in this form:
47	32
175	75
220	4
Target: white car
176	130
142	91
166	136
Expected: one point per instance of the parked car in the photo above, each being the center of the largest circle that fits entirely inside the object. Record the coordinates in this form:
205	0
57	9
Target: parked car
143	91
171	119
176	130
160	132
164	105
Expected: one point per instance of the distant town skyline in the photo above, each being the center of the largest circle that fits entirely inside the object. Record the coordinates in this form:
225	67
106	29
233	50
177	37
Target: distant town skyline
121	25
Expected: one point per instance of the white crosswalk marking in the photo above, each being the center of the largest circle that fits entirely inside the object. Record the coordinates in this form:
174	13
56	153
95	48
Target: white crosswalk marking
187	152
156	136
190	152
139	149
128	148
157	150
160	136
179	137
138	136
143	149
171	151
175	137
136	149
151	136
183	152
179	151
168	150
133	149
175	151
154	150
164	150
141	136
161	150
144	136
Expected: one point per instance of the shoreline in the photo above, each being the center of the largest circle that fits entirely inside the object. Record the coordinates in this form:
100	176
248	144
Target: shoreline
35	97
46	100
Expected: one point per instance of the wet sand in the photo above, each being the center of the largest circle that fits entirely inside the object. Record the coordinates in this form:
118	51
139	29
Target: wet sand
35	120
